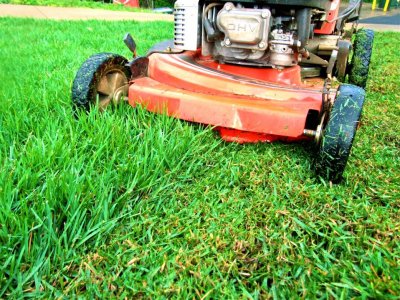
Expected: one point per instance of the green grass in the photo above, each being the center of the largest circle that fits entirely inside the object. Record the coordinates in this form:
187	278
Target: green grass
77	3
130	204
92	4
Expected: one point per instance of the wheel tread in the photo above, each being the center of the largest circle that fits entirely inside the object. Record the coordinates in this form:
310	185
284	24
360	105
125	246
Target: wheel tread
339	133
88	75
359	68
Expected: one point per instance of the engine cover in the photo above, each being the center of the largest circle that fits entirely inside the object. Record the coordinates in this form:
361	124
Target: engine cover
244	28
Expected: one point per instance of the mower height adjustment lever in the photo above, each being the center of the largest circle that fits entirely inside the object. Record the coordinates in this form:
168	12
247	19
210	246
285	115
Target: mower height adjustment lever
130	43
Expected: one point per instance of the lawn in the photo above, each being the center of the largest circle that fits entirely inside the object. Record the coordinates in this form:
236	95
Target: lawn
130	204
87	3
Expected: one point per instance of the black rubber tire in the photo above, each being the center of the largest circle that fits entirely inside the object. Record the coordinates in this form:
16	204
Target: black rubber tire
339	133
84	87
362	52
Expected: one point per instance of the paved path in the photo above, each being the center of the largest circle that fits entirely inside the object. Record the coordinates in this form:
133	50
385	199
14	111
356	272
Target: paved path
384	20
72	13
380	27
376	20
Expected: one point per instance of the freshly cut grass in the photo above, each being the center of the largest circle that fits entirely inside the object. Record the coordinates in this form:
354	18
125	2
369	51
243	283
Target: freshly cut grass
131	204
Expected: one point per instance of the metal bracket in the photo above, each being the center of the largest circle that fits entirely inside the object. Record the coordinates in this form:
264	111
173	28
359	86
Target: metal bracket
331	64
138	66
315	60
342	58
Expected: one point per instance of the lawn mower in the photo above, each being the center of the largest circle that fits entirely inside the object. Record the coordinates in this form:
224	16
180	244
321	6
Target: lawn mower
256	71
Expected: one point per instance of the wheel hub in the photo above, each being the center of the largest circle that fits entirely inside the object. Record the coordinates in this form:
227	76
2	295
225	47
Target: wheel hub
112	87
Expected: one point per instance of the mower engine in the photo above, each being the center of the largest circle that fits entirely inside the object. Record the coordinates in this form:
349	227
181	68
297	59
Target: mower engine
249	33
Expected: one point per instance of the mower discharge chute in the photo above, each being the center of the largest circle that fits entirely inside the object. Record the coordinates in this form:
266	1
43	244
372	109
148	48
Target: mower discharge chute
254	70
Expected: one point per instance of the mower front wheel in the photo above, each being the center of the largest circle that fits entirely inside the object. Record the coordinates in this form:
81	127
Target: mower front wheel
101	80
339	133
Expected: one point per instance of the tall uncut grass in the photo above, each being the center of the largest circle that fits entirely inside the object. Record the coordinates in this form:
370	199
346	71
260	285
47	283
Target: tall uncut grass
130	204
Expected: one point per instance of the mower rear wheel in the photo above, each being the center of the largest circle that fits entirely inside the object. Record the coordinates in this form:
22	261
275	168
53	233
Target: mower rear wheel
339	133
101	80
362	52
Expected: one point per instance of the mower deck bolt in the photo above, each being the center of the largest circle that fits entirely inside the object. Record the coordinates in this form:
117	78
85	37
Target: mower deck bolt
227	42
229	6
309	133
261	45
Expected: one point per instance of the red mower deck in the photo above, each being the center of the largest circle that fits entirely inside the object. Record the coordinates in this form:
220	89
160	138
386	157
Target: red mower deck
272	103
